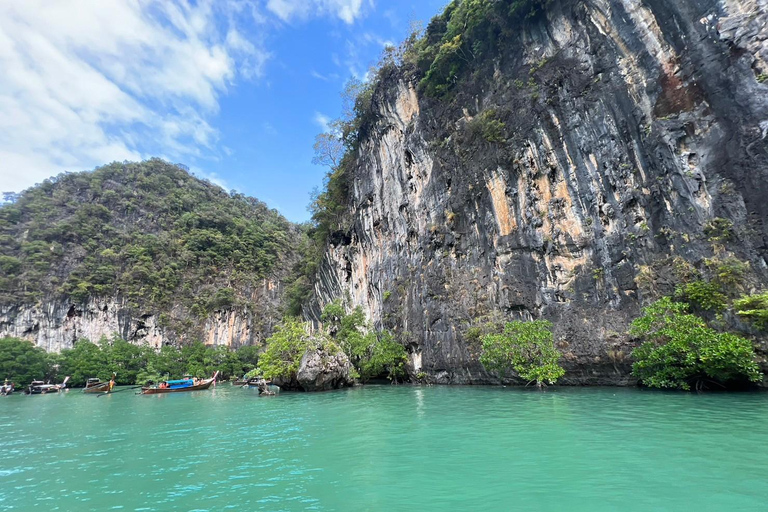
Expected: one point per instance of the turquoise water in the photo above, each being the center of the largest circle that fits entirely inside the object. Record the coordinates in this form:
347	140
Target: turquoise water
386	448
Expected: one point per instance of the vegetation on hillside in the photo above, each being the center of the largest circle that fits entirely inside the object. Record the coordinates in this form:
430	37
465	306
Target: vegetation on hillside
148	232
527	348
753	308
22	362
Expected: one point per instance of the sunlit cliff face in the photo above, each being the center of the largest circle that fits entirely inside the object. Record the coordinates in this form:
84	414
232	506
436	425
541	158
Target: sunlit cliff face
628	126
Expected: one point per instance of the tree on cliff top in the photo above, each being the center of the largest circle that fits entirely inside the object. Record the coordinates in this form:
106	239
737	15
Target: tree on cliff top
525	347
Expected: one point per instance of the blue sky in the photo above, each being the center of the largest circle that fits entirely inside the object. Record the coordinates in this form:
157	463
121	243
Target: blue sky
234	89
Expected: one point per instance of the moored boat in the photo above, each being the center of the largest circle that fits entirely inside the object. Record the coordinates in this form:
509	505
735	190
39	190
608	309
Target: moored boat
95	385
179	386
7	388
38	387
240	382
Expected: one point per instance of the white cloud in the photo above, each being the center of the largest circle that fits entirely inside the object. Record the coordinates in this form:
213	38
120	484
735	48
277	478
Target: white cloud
331	77
84	83
346	10
212	177
322	121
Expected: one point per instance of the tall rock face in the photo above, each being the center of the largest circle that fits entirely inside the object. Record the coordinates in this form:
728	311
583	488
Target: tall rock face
57	323
598	155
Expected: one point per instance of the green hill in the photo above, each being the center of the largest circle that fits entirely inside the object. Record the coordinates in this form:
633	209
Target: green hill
148	233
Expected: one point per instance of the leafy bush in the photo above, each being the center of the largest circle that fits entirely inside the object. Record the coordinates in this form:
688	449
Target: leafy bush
718	230
754	308
703	294
83	361
10	265
730	273
681	351
487	126
22	362
135	364
374	354
525	347
284	350
381	355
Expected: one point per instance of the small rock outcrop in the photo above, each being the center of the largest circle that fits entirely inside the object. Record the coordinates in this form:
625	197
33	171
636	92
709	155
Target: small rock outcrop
323	370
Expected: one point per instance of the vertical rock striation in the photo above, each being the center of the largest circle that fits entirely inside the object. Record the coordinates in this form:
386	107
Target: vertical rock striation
56	324
629	125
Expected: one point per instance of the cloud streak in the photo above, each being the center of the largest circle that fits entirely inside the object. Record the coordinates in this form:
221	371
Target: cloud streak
79	88
346	10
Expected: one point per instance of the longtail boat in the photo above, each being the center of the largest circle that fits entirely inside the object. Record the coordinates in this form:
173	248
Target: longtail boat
38	387
240	382
7	388
95	385
179	386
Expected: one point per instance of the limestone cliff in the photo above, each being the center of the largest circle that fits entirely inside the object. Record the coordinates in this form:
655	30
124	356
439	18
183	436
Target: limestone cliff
628	127
57	323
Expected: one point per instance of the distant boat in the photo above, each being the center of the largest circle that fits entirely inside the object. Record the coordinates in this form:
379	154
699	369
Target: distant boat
250	382
95	385
264	386
7	388
179	386
240	382
38	387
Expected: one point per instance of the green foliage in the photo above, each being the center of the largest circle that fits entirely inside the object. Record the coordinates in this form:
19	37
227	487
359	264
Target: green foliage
704	295
525	347
382	355
302	277
754	308
374	354
223	298
21	362
718	230
487	126
10	265
680	350
762	78
149	231
83	361
475	333
284	349
466	32
729	273
135	364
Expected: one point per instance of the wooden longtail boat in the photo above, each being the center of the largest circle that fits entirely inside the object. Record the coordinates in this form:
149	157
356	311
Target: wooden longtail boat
7	388
240	382
38	387
179	386
97	386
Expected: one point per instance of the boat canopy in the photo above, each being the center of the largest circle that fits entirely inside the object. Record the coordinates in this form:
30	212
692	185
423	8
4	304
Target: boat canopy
181	381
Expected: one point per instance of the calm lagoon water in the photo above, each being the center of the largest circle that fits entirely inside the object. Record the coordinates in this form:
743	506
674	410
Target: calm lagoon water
386	448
